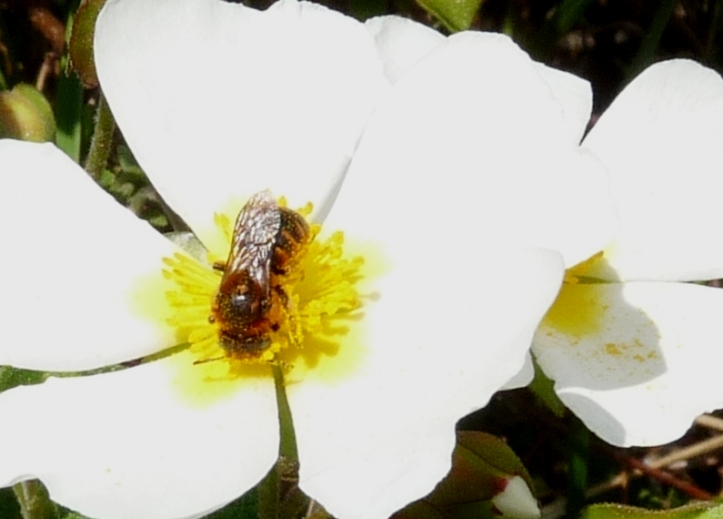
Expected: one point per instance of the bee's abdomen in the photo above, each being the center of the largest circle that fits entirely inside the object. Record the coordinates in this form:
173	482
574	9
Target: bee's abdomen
291	238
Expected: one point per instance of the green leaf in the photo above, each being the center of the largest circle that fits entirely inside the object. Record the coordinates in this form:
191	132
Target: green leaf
419	510
566	15
578	451
365	9
481	465
455	15
34	500
544	389
693	511
649	45
493	451
68	114
69	107
245	507
13	377
9	507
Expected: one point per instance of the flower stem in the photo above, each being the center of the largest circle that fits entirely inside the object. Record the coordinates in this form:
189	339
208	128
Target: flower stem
34	500
100	144
272	494
287	448
269	495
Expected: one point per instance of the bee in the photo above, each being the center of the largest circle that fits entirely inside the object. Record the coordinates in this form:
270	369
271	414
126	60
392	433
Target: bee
250	302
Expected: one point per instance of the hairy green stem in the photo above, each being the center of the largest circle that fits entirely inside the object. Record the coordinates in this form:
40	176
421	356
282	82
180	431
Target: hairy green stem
100	144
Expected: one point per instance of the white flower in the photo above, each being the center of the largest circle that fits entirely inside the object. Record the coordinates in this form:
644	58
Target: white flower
465	171
634	351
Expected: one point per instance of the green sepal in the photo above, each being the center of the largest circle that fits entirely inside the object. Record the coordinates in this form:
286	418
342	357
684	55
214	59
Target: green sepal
455	15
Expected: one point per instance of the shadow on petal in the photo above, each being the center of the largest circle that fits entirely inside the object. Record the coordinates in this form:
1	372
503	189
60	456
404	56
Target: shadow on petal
596	337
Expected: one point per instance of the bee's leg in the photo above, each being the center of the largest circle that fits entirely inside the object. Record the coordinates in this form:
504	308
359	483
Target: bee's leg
204	361
219	265
278	271
282	294
294	327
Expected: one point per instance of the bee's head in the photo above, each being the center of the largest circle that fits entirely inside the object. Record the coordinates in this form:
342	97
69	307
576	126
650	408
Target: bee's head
240	301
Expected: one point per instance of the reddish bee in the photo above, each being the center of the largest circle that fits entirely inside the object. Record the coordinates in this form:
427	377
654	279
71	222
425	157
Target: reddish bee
250	302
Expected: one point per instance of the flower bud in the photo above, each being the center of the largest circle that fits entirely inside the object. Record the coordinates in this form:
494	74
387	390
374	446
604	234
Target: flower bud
516	500
487	480
26	115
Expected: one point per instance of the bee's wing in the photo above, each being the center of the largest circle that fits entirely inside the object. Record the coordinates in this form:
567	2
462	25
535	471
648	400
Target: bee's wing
254	234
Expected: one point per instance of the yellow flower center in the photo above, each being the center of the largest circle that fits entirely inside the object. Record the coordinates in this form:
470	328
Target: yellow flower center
606	334
577	311
304	317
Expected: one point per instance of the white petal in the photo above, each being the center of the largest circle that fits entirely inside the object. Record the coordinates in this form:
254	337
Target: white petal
660	141
401	43
136	443
491	137
219	101
516	500
449	324
574	94
444	331
523	377
81	275
644	363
